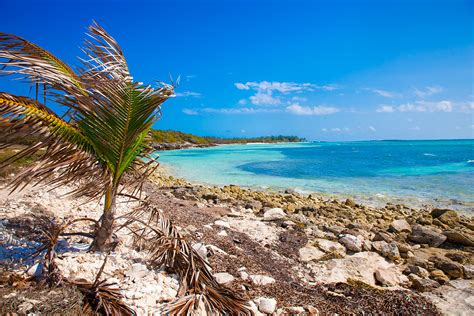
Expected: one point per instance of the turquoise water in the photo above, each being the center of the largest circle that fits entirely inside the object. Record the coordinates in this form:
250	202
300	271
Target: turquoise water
436	172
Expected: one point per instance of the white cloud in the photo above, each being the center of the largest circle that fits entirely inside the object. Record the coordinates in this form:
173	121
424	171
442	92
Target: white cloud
428	91
307	110
241	86
190	112
264	99
299	99
385	93
371	128
385	109
336	129
426	106
283	87
239	110
188	94
242	101
416	128
324	129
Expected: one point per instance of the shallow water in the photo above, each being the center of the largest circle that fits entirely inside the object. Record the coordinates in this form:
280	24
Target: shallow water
435	172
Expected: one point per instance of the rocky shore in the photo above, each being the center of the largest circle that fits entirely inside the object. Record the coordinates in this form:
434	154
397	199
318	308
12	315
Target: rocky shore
286	253
180	145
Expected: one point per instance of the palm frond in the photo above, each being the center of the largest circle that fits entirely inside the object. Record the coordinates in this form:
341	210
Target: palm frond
65	147
102	298
169	249
35	64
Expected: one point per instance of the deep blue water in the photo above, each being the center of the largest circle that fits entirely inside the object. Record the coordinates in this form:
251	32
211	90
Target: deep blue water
436	172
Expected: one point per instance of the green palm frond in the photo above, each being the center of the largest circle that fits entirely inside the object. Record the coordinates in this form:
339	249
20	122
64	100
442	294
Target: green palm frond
105	131
63	144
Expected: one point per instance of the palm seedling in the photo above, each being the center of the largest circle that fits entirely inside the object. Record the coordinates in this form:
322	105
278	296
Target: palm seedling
101	142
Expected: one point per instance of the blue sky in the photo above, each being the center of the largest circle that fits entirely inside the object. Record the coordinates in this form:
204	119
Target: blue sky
324	70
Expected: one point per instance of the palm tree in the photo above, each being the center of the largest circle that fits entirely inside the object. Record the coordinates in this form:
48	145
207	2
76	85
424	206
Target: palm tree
103	135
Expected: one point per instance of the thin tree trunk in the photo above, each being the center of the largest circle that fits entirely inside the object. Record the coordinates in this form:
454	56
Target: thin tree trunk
103	238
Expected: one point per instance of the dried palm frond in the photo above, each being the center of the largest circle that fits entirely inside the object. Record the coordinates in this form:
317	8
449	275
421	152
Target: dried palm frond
47	232
169	249
102	298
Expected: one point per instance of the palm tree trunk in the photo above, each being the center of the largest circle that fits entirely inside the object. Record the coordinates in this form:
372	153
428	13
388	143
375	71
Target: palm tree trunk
104	234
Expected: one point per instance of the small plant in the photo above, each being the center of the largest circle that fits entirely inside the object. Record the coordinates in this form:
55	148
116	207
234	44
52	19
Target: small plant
104	133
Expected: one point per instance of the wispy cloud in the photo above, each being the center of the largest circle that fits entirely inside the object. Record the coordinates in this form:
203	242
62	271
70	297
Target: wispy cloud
385	109
418	106
307	110
272	92
385	93
425	106
428	91
372	129
244	110
264	99
188	94
190	112
283	87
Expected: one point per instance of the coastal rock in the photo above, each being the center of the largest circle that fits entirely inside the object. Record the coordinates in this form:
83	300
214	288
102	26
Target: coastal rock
424	235
274	214
439	276
388	250
451	268
257	230
137	270
201	249
351	242
382	236
261	279
422	284
224	277
330	247
469	271
448	217
419	271
296	310
460	238
360	266
400	225
222	223
266	305
310	253
458	257
390	277
454	298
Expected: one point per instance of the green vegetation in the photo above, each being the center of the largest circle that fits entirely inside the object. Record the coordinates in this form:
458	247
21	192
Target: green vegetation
170	136
18	164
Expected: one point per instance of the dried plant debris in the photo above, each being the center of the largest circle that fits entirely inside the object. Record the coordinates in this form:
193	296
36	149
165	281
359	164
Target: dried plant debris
169	249
102	298
19	295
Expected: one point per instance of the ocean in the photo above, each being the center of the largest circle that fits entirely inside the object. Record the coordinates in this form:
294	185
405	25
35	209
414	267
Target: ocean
438	172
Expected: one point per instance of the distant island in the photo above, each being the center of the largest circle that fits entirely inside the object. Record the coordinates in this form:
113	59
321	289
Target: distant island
169	139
